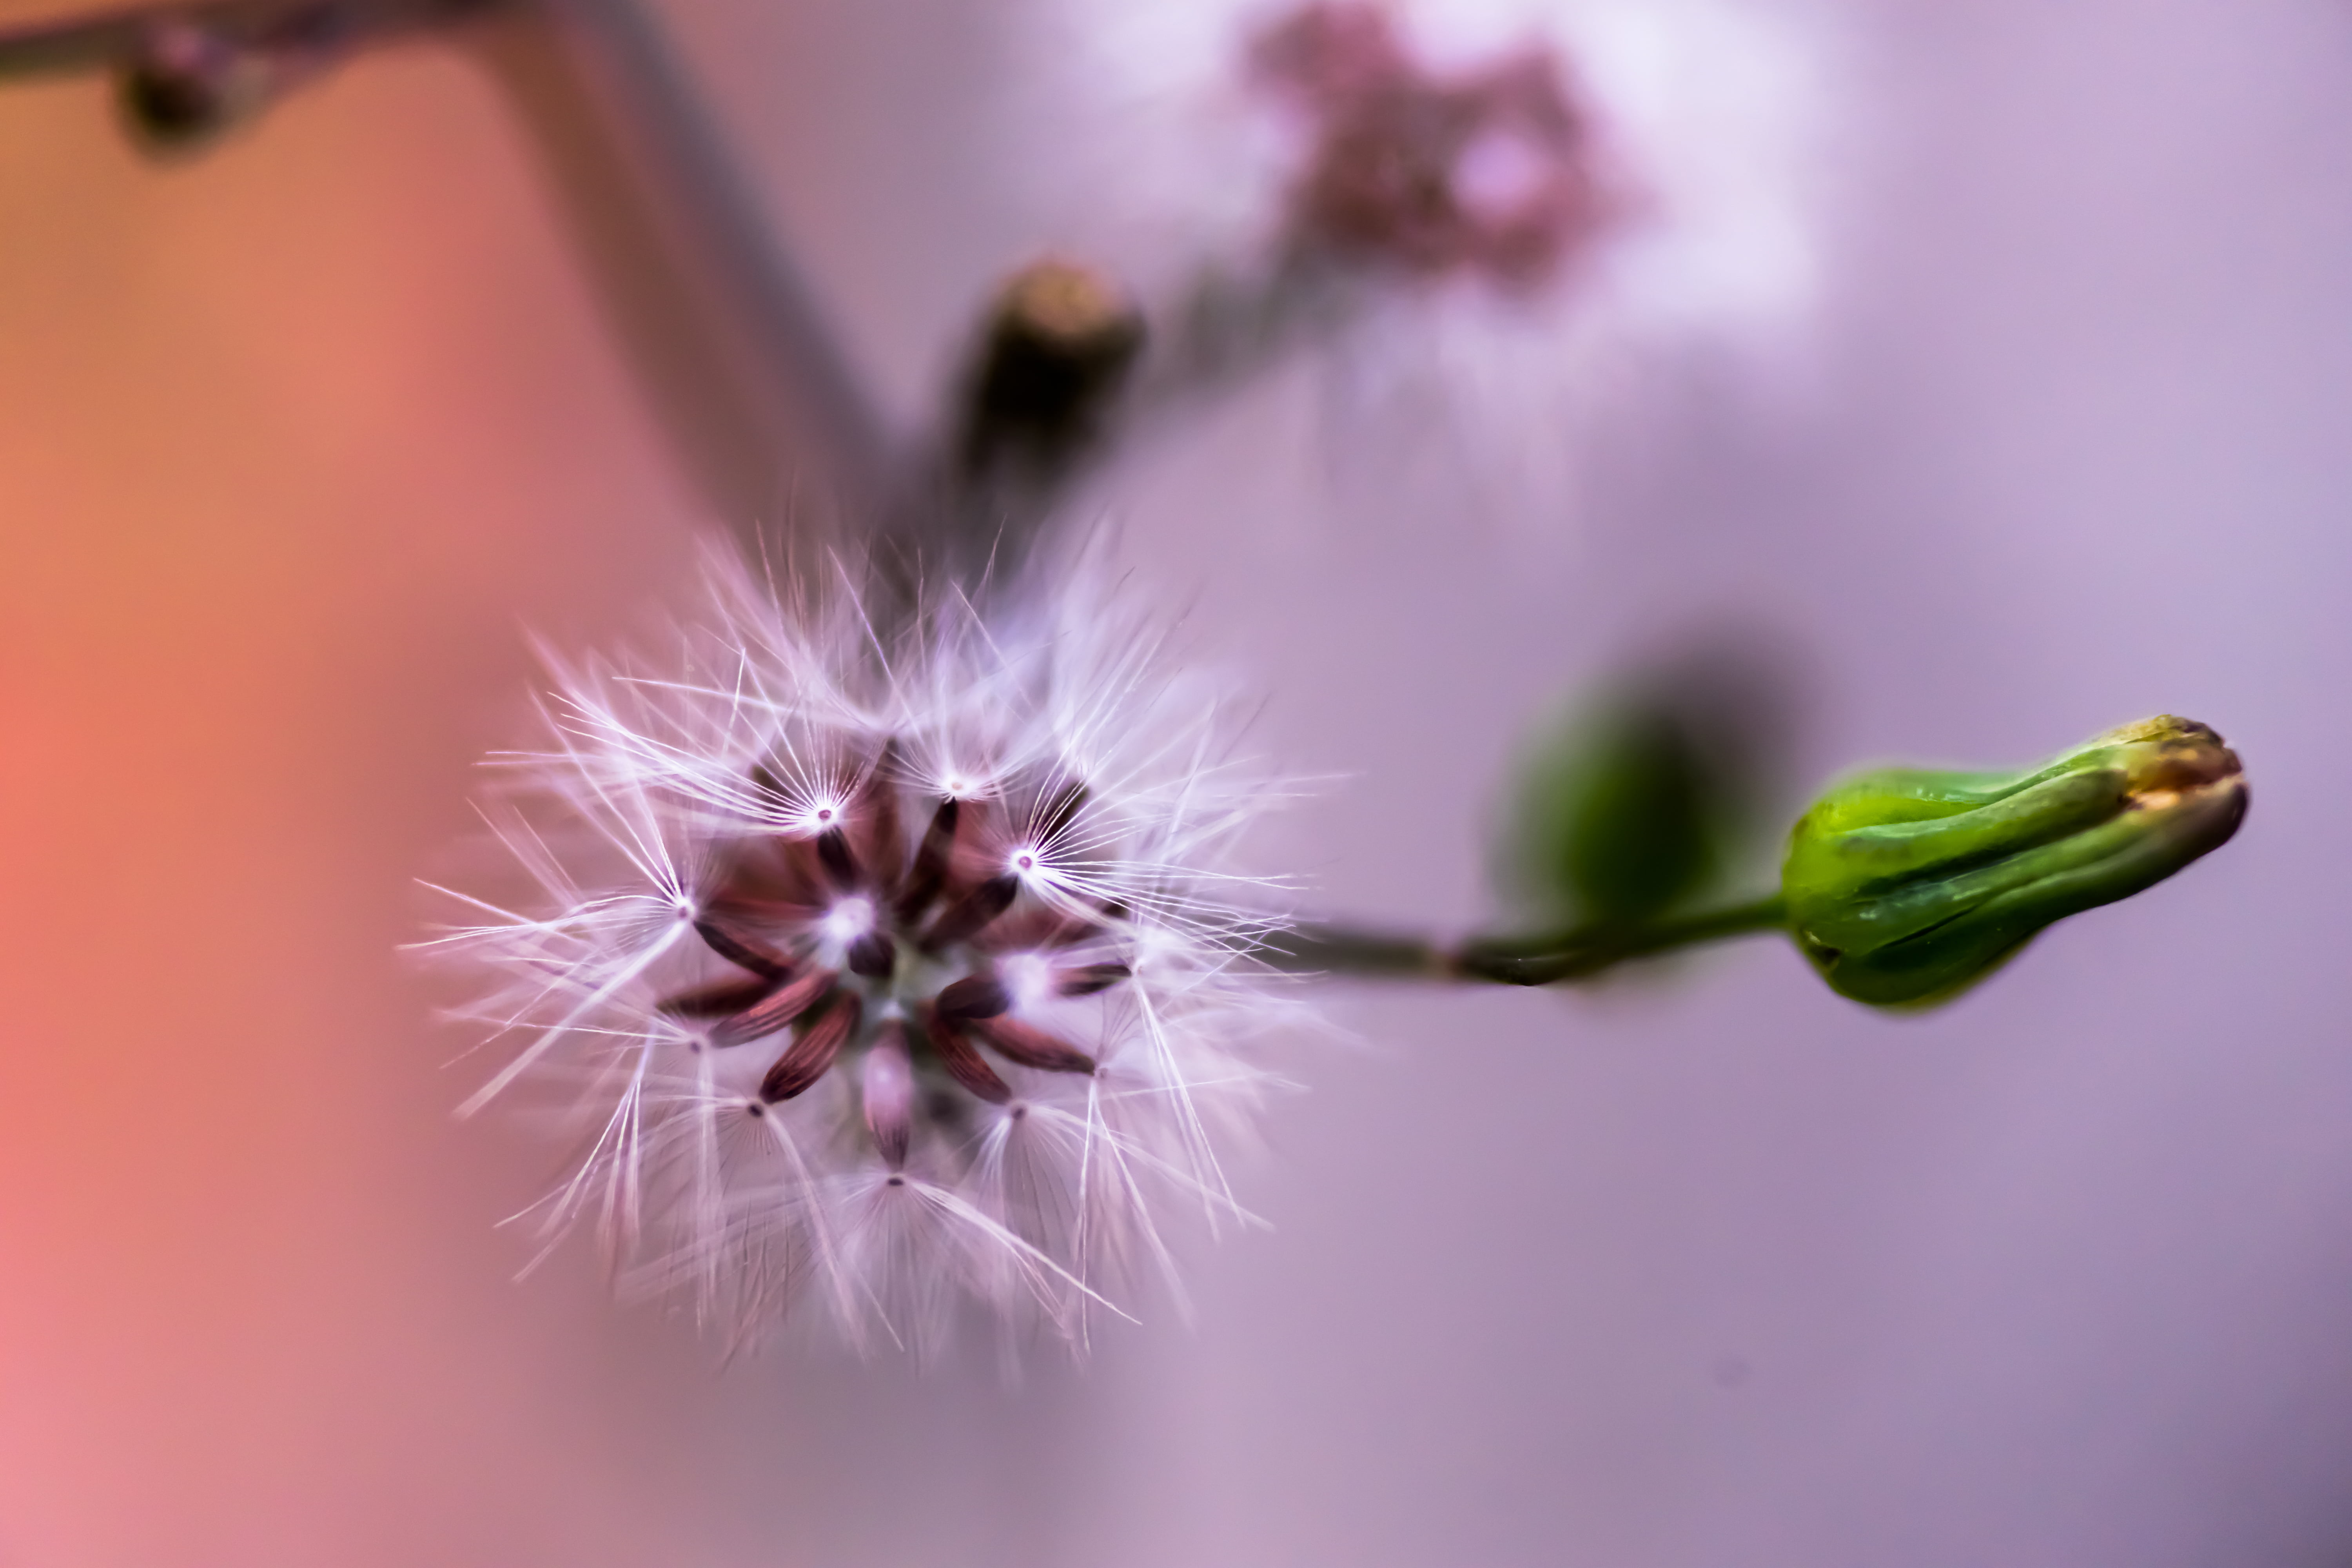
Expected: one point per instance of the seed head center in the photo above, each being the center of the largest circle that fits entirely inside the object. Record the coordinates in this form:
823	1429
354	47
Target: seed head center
847	920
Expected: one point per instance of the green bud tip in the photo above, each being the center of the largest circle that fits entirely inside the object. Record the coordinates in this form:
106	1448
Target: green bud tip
1905	886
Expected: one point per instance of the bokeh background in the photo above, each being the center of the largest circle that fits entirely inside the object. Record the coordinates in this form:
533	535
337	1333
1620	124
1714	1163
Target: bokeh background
297	441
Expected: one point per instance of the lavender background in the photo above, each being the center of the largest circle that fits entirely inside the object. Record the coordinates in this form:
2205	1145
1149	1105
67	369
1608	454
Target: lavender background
1732	1274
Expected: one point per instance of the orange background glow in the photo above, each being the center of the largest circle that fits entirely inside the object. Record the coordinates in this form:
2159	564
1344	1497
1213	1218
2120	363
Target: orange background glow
301	439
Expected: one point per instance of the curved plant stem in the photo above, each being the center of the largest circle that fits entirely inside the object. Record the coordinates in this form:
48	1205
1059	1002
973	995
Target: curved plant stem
1543	960
113	40
743	367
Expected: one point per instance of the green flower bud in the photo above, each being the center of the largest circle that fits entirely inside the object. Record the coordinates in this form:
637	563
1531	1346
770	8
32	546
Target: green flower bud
1905	886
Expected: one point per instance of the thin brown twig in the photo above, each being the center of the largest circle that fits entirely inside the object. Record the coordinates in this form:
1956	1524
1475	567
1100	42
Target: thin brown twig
1550	958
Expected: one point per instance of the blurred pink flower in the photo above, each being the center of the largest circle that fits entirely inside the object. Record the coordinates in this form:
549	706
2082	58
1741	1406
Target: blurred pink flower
1489	169
1501	221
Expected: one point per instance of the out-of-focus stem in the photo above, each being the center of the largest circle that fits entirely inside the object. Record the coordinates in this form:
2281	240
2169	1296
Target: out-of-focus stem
753	388
757	392
1227	328
1547	960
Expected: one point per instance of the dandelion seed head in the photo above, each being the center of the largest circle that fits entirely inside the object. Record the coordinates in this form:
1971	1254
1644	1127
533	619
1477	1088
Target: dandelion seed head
882	973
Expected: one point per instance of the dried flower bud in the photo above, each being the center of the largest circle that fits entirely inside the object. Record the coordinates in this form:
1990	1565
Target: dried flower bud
1907	886
188	84
1057	347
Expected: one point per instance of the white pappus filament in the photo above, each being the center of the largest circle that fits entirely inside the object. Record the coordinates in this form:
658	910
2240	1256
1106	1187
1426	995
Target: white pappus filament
879	972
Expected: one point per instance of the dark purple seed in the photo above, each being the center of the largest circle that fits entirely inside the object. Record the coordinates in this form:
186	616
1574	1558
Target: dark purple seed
719	1001
950	1044
1086	979
873	955
770	788
887	1084
777	1011
815	1045
974	910
1032	1046
1060	810
840	864
737	951
981	996
881	841
928	873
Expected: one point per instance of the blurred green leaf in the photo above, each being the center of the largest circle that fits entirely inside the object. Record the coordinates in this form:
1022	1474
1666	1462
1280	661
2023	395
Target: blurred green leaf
1646	795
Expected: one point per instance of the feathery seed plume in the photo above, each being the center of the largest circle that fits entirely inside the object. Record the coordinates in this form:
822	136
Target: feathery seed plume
882	971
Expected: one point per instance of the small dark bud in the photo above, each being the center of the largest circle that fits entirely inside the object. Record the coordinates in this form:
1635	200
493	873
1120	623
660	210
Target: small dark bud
187	85
1904	886
1056	352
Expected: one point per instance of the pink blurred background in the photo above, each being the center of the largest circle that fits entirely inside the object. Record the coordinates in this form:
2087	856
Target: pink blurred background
297	440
